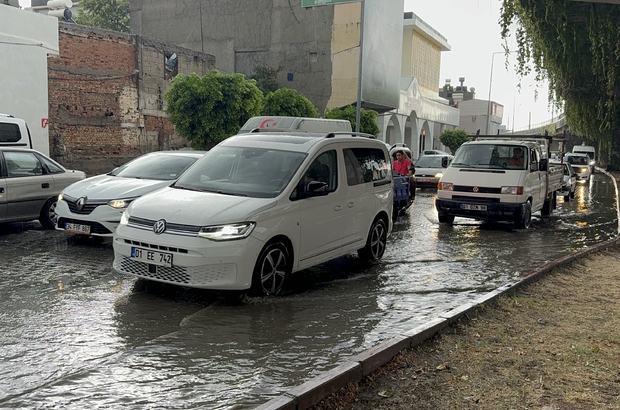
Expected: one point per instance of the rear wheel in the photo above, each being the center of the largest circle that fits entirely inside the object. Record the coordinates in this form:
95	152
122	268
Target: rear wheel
445	219
272	267
375	244
548	206
48	215
526	217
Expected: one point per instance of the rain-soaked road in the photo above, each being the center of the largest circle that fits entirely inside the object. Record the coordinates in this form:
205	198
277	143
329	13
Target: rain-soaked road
74	335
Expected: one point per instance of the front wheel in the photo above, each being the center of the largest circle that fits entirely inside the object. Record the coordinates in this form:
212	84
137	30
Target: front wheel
445	219
526	217
376	242
272	267
48	215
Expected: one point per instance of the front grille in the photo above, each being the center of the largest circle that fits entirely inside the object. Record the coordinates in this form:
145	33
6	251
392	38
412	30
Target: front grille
476	200
171	228
86	209
481	189
176	274
156	247
95	227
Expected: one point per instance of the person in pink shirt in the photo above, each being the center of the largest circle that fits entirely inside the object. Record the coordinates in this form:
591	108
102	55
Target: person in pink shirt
401	164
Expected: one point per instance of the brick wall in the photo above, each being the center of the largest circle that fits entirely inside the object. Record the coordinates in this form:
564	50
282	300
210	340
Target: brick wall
106	97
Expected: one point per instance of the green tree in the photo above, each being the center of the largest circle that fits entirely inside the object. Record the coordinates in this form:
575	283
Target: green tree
287	102
368	118
209	109
453	139
107	14
575	46
265	77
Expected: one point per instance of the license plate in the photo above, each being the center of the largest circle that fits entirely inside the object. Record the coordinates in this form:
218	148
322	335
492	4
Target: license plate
470	207
77	228
152	257
425	180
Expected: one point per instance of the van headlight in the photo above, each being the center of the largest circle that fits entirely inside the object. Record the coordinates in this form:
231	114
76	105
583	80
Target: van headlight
512	190
227	232
119	203
124	218
445	186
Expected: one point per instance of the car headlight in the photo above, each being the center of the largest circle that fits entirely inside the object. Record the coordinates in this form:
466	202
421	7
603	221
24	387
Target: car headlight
227	232
512	190
124	218
445	186
439	174
119	203
61	197
583	170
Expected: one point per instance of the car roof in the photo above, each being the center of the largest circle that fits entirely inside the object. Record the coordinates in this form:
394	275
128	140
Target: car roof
183	153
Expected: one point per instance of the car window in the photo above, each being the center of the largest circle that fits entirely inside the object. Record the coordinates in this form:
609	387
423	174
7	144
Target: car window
22	164
9	132
159	167
52	166
429	162
365	165
242	171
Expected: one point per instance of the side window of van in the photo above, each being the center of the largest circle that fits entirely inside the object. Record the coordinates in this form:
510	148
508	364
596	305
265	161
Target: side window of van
9	132
323	169
365	165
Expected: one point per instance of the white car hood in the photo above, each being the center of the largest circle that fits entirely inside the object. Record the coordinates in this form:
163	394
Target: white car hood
107	187
197	208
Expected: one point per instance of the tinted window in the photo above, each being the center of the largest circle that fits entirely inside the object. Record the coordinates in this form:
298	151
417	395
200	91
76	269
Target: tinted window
365	165
9	132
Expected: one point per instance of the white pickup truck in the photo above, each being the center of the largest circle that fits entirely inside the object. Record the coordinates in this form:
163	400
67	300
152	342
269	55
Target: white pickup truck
488	181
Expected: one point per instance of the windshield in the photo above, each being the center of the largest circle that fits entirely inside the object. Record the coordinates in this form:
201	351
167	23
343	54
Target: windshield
577	160
429	162
491	156
164	167
252	172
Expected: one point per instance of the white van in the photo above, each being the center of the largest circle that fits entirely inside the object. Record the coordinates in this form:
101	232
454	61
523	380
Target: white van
258	207
14	132
295	123
589	150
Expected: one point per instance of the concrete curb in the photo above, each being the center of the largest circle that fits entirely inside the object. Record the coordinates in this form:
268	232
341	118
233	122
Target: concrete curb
360	365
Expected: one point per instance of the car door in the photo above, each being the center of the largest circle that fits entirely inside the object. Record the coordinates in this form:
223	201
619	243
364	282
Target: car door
27	187
3	196
321	217
536	180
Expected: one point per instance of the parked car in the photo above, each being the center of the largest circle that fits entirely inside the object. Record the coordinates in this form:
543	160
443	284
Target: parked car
581	165
258	207
437	152
29	185
569	183
429	169
94	206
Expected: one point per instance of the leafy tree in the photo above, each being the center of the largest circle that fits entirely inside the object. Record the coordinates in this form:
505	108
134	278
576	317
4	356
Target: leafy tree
288	103
368	118
265	77
575	46
107	14
209	109
453	139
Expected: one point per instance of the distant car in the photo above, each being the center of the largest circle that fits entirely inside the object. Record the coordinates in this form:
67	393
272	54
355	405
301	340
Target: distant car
29	185
570	181
436	152
580	164
429	169
94	206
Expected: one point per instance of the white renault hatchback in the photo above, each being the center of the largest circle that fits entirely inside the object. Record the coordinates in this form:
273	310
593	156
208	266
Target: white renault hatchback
258	207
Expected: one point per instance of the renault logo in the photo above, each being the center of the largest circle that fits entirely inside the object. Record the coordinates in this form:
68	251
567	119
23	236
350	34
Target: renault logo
159	227
80	203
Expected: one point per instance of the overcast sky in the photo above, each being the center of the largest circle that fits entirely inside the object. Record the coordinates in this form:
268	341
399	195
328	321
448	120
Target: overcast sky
473	32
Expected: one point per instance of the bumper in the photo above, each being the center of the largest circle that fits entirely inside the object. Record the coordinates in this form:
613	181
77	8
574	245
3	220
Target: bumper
494	211
196	262
103	220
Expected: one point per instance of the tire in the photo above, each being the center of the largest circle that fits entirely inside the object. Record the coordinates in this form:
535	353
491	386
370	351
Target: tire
526	217
445	219
272	268
48	215
572	193
567	198
548	206
376	242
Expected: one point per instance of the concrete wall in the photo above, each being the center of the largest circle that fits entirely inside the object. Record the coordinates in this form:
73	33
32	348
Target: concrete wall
26	40
243	34
106	97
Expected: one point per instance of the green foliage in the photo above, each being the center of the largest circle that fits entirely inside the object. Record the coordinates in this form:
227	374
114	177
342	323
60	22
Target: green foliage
576	46
209	109
265	77
368	118
107	14
453	139
286	102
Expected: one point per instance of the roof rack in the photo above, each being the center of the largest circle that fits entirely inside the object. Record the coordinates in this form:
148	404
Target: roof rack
351	133
271	129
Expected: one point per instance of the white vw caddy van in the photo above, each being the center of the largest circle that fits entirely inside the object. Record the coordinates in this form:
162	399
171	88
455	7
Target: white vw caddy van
258	207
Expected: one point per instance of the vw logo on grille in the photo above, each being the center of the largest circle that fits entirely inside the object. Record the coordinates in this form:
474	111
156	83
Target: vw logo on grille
159	227
80	203
475	189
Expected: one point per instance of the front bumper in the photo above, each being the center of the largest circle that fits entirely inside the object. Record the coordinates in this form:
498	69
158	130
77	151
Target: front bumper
103	220
495	211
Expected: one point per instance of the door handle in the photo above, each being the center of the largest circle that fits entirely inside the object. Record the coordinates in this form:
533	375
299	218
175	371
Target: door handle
337	208
351	204
45	185
1	190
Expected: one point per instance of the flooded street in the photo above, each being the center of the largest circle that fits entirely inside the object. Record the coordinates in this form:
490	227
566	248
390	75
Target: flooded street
75	335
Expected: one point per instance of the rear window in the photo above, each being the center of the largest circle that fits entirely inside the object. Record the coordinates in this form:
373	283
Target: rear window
9	132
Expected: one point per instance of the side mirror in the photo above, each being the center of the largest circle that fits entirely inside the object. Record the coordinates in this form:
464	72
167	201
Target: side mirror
542	165
314	188
444	162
